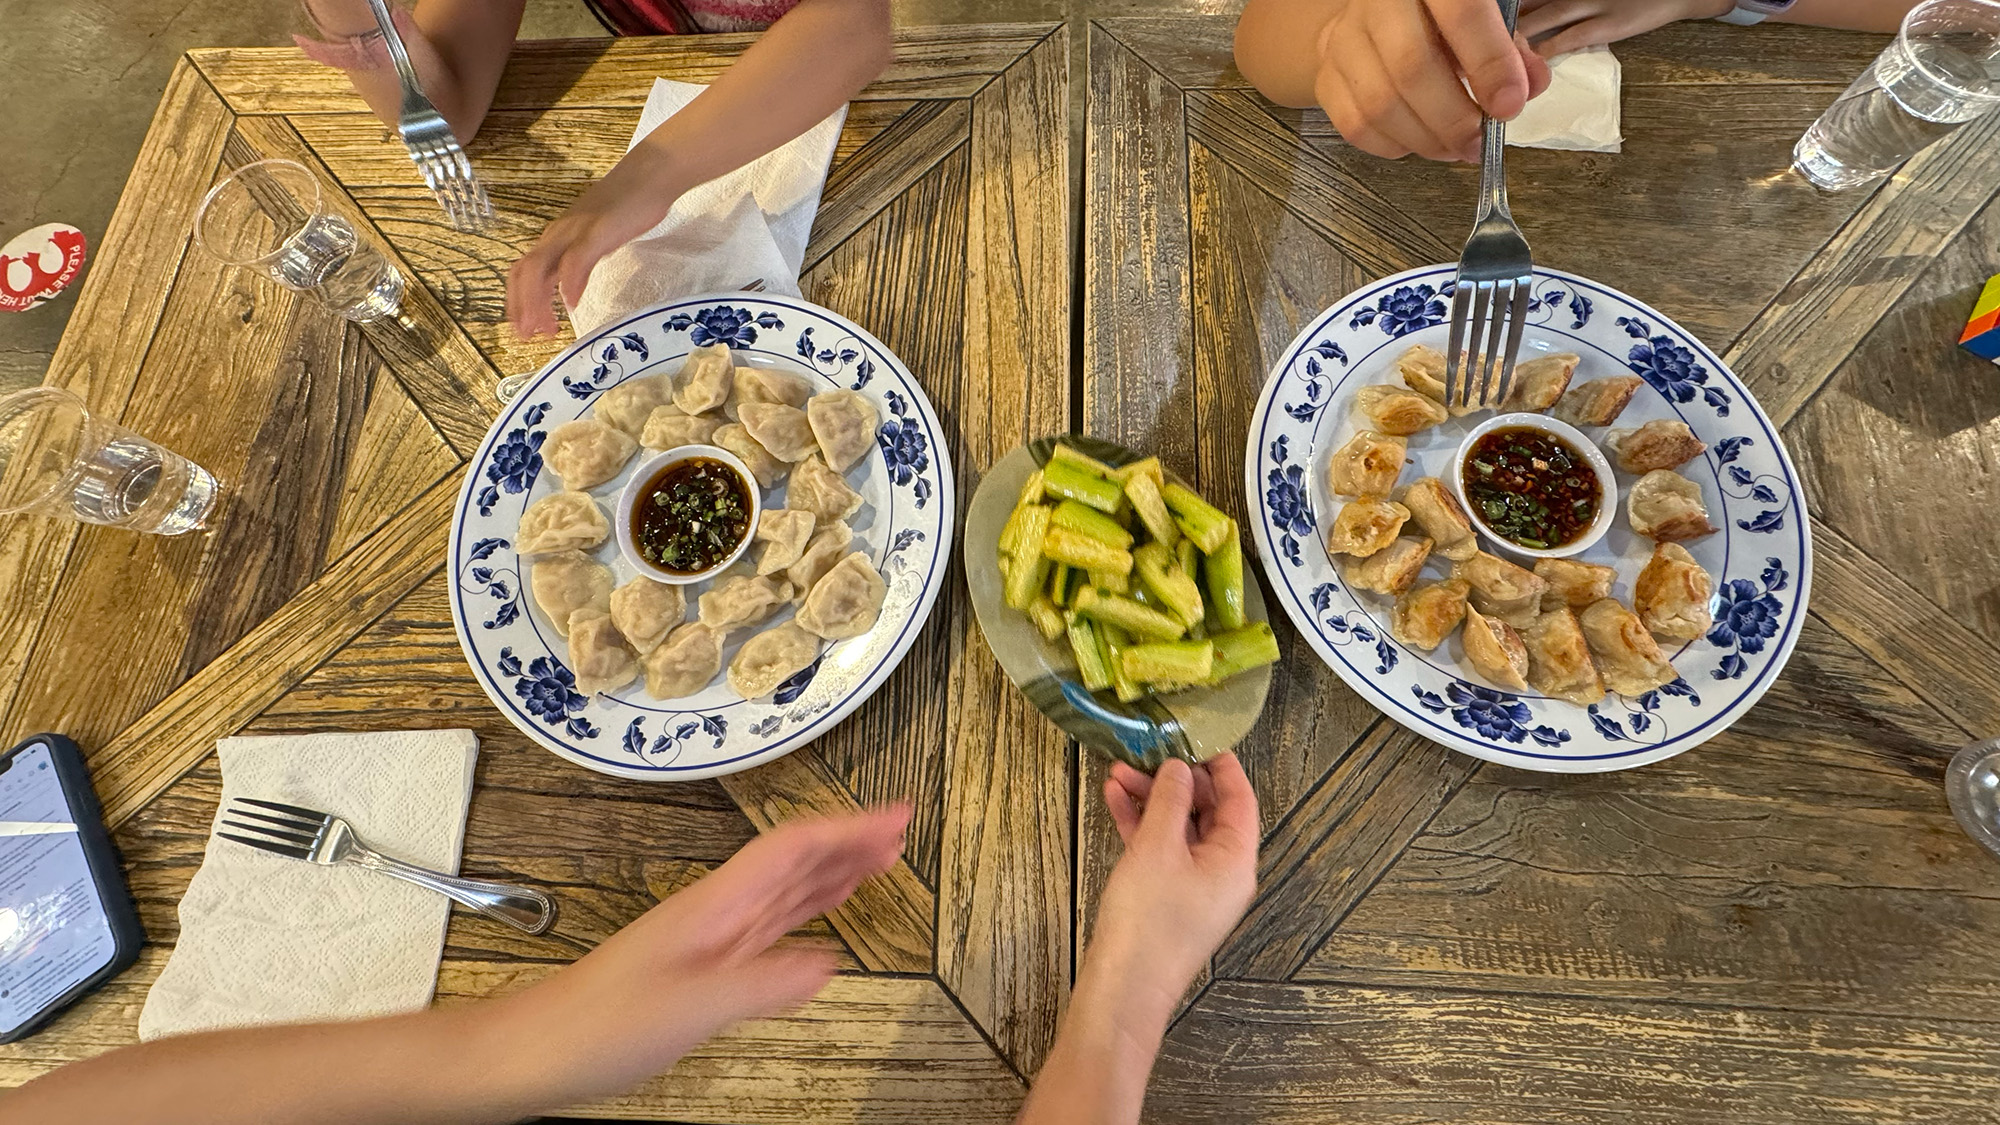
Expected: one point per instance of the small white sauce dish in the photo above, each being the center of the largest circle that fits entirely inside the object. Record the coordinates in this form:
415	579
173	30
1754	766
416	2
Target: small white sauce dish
628	499
1607	507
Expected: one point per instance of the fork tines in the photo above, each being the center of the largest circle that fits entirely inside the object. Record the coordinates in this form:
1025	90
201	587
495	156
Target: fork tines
292	832
1480	371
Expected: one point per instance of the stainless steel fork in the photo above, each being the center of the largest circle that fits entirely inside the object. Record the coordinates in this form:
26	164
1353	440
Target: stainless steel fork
432	144
1489	303
325	839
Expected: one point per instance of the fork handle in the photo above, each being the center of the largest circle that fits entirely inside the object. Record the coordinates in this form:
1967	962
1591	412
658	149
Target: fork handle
523	908
397	53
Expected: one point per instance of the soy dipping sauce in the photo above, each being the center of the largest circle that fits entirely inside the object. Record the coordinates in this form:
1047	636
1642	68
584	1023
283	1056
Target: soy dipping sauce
1531	487
691	515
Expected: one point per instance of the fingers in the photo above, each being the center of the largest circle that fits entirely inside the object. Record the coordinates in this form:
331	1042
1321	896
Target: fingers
1381	90
789	875
531	285
1355	127
1576	37
1538	68
1556	14
1477	38
1164	823
1235	821
1124	809
774	982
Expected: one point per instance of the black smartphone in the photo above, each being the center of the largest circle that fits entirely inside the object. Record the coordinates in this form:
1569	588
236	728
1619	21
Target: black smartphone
67	923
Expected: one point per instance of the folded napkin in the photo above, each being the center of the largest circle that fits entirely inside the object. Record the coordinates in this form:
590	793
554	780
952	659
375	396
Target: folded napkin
1579	110
265	939
750	224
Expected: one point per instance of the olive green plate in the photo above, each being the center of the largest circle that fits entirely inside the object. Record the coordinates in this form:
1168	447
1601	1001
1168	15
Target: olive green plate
1194	725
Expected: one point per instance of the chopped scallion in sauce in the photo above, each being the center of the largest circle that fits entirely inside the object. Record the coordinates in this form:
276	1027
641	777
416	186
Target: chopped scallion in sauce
1531	487
691	515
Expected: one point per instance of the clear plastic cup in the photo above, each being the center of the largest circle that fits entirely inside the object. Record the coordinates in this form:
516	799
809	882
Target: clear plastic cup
57	460
1942	71
271	216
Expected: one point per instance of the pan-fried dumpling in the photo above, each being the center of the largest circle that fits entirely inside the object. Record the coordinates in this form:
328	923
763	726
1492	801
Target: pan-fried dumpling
1671	594
1495	650
784	533
568	581
670	428
646	611
1426	615
683	663
1540	382
1364	527
598	656
1501	589
743	600
1367	465
1559	664
1663	443
844	422
1422	369
825	548
1627	655
586	453
1394	410
630	403
1666	507
759	384
705	380
846	601
562	521
767	469
1598	402
1574	584
1435	510
770	658
781	429
821	491
1391	570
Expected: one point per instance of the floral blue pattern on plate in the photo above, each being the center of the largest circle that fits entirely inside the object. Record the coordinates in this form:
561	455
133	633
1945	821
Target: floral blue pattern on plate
1761	559
905	526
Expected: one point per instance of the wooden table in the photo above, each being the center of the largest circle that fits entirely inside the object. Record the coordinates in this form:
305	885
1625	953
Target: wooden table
1783	925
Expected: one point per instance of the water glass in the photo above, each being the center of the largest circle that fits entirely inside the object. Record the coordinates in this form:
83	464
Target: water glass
57	460
1942	71
272	217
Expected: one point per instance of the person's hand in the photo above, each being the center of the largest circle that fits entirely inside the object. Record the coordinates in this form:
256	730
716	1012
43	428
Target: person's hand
629	201
1393	74
1189	868
1557	27
702	960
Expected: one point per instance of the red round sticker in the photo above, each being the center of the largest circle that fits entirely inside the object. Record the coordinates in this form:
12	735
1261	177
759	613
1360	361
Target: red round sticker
38	264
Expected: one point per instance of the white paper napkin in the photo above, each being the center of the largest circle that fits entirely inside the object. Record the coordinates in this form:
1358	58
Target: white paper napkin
265	939
752	223
1579	110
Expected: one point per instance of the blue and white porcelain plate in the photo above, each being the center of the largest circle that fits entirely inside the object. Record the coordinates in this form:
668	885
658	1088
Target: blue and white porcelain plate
905	525
1761	560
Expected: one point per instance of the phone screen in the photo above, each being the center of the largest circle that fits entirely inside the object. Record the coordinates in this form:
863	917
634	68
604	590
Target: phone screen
54	932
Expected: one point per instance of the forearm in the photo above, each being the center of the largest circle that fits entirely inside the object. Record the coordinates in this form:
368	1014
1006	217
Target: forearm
459	1066
807	65
1855	15
1096	1074
459	57
1277	47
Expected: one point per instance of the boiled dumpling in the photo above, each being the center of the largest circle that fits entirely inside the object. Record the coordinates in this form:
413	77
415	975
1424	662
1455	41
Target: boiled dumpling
683	663
568	581
630	403
1367	465
821	491
1559	663
1627	655
586	453
1495	650
743	600
846	601
646	611
1666	507
784	533
767	469
1436	511
1394	410
1501	589
1574	584
562	521
705	380
770	658
826	547
758	384
844	422
668	427
1365	526
1425	616
784	430
598	656
1671	594
1663	443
